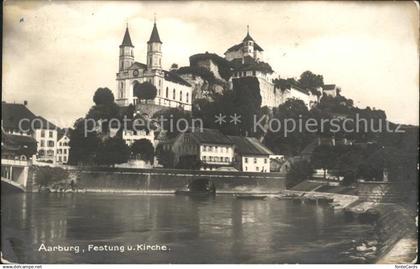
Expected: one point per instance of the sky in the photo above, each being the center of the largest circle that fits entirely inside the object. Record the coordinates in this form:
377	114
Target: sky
56	54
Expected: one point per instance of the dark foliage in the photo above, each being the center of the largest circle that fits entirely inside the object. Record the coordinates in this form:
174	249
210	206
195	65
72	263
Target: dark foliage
103	96
143	149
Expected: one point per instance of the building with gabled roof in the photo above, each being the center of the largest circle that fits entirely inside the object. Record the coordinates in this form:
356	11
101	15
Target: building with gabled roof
250	154
209	146
17	119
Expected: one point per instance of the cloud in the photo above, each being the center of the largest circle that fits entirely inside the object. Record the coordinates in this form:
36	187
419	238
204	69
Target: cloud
63	51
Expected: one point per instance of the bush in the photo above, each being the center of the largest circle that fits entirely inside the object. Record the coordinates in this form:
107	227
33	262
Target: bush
143	149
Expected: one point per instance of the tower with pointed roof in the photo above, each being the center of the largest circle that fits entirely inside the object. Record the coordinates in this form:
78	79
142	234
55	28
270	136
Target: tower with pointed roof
248	48
126	52
248	44
171	89
154	50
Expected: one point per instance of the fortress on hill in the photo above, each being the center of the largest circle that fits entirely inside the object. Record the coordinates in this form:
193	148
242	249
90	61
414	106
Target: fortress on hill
178	87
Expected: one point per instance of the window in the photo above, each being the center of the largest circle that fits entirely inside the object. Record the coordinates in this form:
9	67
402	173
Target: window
216	149
265	161
246	168
64	159
173	94
204	148
211	148
254	73
42	143
59	158
180	96
50	143
257	169
186	98
42	133
65	151
246	160
227	159
51	134
204	158
255	161
167	92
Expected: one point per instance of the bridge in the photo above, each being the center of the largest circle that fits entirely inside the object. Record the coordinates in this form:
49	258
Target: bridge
14	175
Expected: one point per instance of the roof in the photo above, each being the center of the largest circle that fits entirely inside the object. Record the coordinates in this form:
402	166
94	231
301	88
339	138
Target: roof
208	136
138	65
154	37
240	45
289	84
13	114
62	132
329	87
174	77
250	63
249	146
248	37
127	39
16	142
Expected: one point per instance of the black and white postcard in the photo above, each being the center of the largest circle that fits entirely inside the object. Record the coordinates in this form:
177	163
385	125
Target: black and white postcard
207	132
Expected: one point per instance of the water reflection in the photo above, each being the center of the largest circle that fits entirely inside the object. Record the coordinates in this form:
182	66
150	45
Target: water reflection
216	230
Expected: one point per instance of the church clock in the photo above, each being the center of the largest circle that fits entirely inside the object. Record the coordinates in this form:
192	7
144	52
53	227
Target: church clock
136	73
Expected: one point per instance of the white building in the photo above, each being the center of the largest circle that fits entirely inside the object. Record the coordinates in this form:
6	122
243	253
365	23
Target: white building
251	155
17	119
47	145
247	60
172	90
130	136
63	149
210	146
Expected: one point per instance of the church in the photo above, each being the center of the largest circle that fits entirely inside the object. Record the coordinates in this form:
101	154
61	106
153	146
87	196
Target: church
172	90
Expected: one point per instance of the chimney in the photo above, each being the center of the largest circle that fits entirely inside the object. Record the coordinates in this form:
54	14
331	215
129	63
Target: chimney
25	103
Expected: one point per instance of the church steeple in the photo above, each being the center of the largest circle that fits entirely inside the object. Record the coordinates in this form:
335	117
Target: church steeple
154	49
126	51
127	39
154	37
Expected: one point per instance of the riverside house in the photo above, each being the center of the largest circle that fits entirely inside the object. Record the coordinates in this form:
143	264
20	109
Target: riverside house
250	154
210	146
17	119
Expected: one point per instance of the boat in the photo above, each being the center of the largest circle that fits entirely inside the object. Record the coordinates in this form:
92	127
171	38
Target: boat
250	197
198	187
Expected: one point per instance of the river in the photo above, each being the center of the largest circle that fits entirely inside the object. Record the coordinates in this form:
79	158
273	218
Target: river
217	230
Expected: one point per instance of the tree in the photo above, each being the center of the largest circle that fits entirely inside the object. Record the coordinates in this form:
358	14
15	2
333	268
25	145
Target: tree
290	141
323	157
144	91
298	172
83	144
103	96
112	151
309	80
143	149
173	120
165	157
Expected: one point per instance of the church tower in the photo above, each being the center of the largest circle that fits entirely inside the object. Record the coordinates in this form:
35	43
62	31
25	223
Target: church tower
248	45
154	50
126	52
